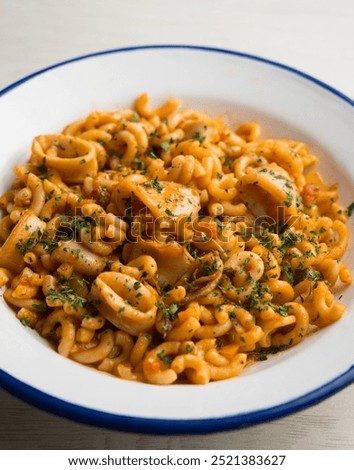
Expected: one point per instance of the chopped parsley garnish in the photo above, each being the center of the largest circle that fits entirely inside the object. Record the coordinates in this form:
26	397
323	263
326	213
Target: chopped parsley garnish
153	155
192	251
209	269
288	273
288	241
153	134
140	163
169	212
155	184
220	225
168	312
198	137
165	146
266	241
257	300
262	354
135	117
43	167
108	263
165	359
40	308
166	289
67	295
48	244
76	252
226	161
243	265
350	209
189	348
314	275
289	200
23	248
283	310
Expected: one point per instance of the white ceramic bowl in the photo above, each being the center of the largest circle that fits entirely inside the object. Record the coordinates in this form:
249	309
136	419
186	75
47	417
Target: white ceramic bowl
287	103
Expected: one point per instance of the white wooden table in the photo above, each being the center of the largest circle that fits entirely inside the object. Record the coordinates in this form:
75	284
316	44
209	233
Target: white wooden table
316	36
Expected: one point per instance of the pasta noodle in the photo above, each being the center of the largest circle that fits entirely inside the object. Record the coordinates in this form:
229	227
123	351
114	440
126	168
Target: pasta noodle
159	245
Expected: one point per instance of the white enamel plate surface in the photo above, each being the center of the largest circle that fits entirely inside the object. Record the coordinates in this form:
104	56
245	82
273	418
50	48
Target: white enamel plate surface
288	104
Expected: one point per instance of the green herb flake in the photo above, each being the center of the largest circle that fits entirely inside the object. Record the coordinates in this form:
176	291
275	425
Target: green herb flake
43	167
169	212
199	137
168	312
23	248
288	273
140	163
67	295
135	117
226	161
314	275
283	310
289	200
288	241
189	348
209	269
155	184
86	316
274	349
42	308
243	265
165	359
350	209
165	146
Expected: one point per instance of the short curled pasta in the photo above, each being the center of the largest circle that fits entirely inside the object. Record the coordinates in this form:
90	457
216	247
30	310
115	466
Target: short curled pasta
161	245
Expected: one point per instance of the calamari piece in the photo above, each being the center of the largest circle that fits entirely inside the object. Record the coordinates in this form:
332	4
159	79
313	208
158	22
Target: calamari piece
267	188
125	302
163	199
76	254
173	260
72	157
23	238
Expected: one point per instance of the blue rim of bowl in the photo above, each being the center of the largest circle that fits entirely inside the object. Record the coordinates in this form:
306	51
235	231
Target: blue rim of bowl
172	426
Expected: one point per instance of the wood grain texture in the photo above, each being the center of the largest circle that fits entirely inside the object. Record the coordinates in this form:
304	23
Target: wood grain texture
328	425
315	36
